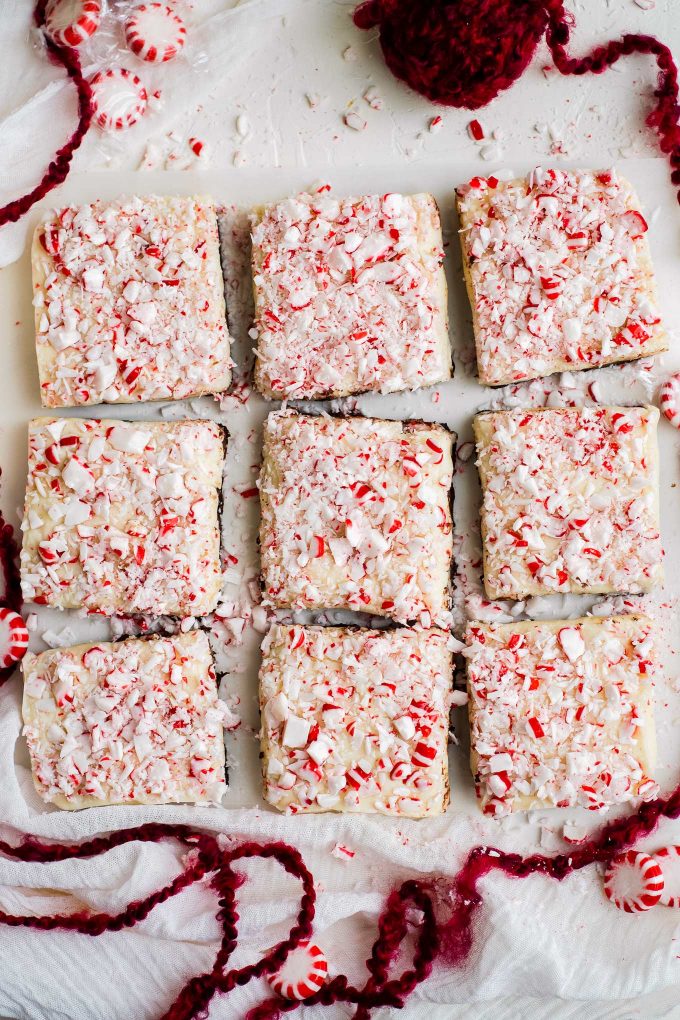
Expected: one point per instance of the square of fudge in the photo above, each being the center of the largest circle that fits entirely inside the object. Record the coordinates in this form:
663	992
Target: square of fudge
350	296
558	272
356	514
123	518
131	722
571	500
561	712
129	302
356	720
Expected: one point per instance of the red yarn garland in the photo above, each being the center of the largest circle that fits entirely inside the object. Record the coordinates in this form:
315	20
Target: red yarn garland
464	52
451	939
58	169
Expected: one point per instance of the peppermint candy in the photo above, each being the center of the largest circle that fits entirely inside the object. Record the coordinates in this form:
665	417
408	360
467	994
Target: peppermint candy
155	33
71	22
668	858
119	98
669	400
633	881
13	637
302	974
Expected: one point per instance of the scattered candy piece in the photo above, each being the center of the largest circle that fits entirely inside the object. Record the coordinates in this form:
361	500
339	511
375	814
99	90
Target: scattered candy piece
13	637
71	22
303	973
118	97
669	860
354	121
475	130
373	98
574	832
436	124
343	852
633	881
669	400
155	33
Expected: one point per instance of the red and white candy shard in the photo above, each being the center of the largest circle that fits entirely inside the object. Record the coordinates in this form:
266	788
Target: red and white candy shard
669	400
633	881
13	637
303	973
669	860
155	33
119	98
71	22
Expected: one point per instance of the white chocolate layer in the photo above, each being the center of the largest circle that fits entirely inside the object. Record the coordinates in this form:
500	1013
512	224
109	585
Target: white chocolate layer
135	722
356	514
355	720
561	712
571	500
122	518
129	302
350	296
559	274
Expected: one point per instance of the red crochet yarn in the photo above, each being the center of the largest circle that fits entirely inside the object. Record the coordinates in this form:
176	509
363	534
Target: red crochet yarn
464	52
451	939
58	169
11	585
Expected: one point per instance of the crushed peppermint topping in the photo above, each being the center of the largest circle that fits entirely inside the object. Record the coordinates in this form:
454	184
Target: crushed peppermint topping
570	500
129	302
122	518
559	274
348	694
356	515
552	730
350	296
138	721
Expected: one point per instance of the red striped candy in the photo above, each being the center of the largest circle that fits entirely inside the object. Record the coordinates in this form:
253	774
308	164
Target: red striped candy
669	400
118	97
155	33
71	22
669	860
303	973
13	637
633	881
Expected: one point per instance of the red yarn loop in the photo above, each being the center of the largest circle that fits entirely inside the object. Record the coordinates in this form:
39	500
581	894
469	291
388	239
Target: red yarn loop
452	939
58	169
464	52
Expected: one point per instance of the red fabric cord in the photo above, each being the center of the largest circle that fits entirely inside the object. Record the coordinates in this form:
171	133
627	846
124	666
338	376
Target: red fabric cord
451	939
464	52
58	169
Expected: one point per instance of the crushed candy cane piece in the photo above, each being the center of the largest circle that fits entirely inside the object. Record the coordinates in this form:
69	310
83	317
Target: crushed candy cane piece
155	33
574	832
668	858
119	98
475	130
343	852
669	400
302	974
354	121
633	881
436	124
373	98
71	22
13	637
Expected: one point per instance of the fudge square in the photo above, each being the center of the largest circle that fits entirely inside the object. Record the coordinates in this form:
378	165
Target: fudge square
558	273
350	295
122	518
129	302
356	515
355	720
561	712
134	722
570	500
